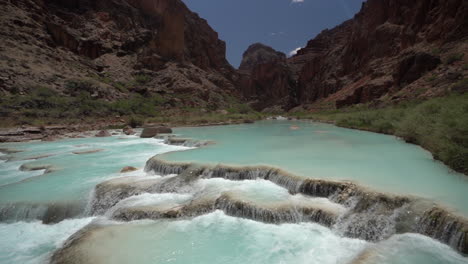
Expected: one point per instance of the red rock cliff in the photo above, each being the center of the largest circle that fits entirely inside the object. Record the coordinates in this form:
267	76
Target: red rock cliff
383	52
363	59
109	42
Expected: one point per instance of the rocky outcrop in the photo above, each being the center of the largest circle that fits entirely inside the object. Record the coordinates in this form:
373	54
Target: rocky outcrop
387	46
113	50
411	68
265	79
259	53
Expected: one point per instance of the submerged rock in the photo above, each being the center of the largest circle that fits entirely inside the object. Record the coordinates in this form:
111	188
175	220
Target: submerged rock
128	169
187	142
87	151
34	167
176	141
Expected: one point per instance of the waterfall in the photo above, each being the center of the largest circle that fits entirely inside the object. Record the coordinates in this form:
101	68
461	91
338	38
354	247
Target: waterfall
165	168
276	214
369	215
445	227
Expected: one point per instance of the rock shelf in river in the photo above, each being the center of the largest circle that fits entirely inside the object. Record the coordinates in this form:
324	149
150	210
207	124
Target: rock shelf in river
347	208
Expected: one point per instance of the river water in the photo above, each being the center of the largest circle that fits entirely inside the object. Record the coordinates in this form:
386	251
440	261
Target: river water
380	162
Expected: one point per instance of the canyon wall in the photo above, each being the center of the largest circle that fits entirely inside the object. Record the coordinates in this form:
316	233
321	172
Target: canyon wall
120	46
381	54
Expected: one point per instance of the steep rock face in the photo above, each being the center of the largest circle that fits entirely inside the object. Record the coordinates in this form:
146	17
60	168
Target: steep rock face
385	47
259	53
265	77
111	43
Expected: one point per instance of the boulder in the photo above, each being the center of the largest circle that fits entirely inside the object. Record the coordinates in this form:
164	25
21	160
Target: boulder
149	132
103	133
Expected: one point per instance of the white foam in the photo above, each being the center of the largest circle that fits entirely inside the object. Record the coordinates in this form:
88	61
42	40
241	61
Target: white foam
218	238
411	249
32	243
257	190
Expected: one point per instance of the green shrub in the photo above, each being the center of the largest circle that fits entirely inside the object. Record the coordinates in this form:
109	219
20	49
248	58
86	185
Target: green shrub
142	78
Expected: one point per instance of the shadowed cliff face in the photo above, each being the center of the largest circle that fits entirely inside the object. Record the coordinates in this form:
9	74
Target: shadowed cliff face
265	78
368	55
384	50
257	54
109	42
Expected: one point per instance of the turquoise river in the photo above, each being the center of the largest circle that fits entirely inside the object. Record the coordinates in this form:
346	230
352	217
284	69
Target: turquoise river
61	176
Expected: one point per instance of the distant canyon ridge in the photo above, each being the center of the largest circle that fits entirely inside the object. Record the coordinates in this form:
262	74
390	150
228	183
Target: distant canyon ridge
391	51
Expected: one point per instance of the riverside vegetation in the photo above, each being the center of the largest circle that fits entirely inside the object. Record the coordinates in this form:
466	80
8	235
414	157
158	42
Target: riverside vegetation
44	106
439	125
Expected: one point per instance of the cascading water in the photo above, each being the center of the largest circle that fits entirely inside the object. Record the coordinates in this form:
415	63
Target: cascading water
190	212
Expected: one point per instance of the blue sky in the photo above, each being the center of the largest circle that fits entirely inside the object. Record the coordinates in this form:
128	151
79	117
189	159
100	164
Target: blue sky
283	24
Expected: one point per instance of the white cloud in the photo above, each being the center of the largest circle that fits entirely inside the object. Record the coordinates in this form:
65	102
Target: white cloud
297	1
294	51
